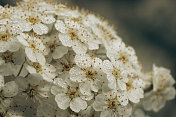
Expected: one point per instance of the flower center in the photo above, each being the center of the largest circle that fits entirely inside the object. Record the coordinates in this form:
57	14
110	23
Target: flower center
37	66
4	37
7	57
31	91
73	35
129	85
116	73
91	73
123	57
113	103
52	47
67	67
75	19
32	45
72	92
33	20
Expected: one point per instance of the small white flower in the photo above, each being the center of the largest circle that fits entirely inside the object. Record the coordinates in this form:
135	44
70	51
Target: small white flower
8	39
110	107
74	35
116	75
54	47
157	100
89	74
32	20
124	55
64	64
34	48
133	93
163	90
33	87
11	62
161	78
47	71
67	94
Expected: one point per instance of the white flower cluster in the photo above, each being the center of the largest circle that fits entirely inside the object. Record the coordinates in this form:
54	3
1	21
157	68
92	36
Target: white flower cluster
59	61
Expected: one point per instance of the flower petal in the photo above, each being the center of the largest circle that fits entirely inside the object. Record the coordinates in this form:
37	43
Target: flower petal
10	89
60	26
78	104
62	101
40	29
30	54
40	58
77	75
59	52
65	39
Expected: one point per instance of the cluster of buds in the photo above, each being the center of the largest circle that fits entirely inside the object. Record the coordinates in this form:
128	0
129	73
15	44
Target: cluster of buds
59	61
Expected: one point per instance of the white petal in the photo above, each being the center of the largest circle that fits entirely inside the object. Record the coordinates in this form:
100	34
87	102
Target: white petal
40	29
14	45
65	39
30	68
79	48
59	52
94	86
49	19
121	84
40	58
34	79
97	63
85	88
60	26
60	82
132	96
77	75
112	81
93	45
87	97
21	38
63	101
25	26
122	98
100	103
107	113
107	66
169	93
10	89
48	72
125	111
83	61
44	89
30	54
78	104
57	90
3	47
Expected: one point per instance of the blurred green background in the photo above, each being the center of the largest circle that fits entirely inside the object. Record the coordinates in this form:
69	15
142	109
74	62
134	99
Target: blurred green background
147	25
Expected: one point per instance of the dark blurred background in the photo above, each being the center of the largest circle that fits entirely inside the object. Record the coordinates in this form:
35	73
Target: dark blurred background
147	25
